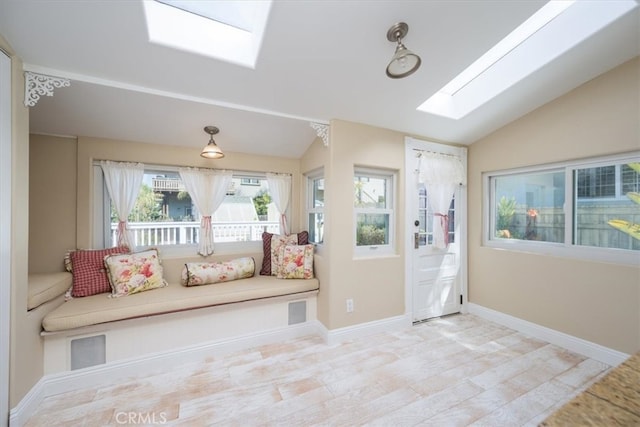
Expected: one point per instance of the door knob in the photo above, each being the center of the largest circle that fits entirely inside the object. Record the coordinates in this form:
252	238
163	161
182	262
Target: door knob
416	223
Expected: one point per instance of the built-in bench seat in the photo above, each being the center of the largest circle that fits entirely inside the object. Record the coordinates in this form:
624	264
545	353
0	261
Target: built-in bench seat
98	309
45	287
99	329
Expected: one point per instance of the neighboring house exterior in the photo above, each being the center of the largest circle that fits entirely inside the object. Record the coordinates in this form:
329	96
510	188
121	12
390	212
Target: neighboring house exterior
238	205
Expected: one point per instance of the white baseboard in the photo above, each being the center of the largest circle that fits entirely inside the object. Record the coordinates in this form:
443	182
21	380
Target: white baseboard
336	336
113	372
577	345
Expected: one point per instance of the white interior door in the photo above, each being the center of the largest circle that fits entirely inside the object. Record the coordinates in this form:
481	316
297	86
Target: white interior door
437	286
437	278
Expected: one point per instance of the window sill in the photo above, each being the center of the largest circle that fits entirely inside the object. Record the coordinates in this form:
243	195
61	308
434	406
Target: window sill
558	250
181	251
374	252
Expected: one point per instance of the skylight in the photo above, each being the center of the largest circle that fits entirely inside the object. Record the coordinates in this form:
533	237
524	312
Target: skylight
554	29
228	30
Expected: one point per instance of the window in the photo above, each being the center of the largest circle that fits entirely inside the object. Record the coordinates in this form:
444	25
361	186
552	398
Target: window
164	214
529	206
315	208
373	206
605	210
591	208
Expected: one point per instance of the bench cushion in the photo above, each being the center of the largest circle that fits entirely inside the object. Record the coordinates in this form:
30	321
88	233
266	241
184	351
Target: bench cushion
98	309
44	287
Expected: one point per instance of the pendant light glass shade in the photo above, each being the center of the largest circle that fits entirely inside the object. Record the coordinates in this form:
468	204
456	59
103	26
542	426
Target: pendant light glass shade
211	150
404	62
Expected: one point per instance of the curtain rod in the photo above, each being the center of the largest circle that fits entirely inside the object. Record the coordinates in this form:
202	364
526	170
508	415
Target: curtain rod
421	152
174	168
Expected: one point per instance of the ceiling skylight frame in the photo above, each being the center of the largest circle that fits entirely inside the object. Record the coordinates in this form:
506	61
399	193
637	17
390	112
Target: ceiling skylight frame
551	31
186	30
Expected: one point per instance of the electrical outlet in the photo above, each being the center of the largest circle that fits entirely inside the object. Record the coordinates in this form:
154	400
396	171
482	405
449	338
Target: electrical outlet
349	305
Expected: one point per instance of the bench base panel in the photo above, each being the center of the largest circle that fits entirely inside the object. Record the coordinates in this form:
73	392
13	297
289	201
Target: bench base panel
135	338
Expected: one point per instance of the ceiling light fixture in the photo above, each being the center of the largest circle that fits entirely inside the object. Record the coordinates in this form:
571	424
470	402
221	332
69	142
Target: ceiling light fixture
211	150
404	62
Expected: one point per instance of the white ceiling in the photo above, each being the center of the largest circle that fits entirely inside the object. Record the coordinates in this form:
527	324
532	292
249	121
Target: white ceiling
320	60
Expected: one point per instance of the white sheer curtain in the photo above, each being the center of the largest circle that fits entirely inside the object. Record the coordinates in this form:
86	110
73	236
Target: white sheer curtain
123	183
441	173
280	190
207	188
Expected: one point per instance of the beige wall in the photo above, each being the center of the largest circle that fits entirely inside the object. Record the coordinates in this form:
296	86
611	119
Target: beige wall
376	284
317	158
595	301
26	361
52	193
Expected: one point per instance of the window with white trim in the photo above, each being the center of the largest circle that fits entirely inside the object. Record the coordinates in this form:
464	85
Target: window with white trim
165	216
374	211
591	207
315	207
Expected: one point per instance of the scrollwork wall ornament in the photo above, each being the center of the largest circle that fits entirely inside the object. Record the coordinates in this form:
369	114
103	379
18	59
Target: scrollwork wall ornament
322	131
37	85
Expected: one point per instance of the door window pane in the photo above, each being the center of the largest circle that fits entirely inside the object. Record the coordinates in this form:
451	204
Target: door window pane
425	216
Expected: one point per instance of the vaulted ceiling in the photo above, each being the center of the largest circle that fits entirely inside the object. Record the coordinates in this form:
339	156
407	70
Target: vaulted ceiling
319	60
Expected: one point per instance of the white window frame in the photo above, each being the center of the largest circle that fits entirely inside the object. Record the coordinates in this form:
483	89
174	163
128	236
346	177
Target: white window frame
567	249
311	207
390	196
101	217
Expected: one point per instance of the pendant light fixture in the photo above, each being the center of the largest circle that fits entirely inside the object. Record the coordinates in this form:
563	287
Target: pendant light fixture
404	62
211	150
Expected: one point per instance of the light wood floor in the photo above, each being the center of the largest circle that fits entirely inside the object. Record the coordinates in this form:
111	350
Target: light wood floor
454	371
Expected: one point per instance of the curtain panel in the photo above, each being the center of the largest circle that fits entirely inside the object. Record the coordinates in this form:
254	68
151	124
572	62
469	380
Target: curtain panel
207	188
123	183
280	190
441	174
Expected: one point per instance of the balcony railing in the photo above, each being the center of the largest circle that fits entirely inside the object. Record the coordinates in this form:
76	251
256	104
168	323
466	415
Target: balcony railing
184	233
167	184
175	184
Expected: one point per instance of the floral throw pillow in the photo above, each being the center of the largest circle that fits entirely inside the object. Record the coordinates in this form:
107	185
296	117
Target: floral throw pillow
277	243
296	262
205	273
134	273
303	239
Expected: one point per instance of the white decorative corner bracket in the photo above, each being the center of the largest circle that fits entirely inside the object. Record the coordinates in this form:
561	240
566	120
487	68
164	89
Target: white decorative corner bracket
323	132
37	85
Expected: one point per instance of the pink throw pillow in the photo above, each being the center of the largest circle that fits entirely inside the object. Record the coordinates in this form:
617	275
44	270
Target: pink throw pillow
89	271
